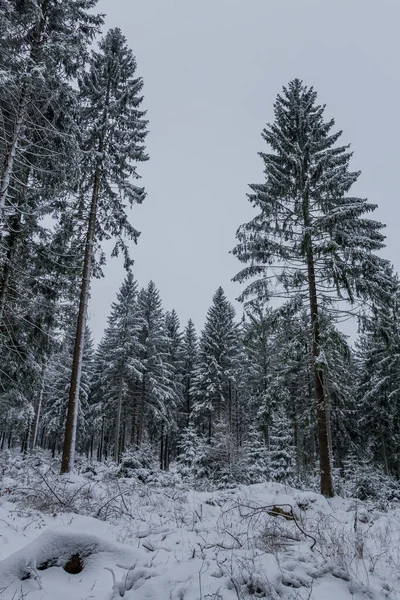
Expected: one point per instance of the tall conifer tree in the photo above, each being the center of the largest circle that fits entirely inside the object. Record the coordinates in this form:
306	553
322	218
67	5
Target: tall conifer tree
113	141
217	366
309	237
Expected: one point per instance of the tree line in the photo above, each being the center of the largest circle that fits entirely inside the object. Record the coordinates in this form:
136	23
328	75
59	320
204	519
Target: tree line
277	393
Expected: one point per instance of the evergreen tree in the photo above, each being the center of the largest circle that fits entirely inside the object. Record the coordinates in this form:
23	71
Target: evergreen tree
175	360
312	239
215	376
281	451
56	386
113	141
156	398
120	359
340	386
191	459
259	341
190	353
253	462
378	397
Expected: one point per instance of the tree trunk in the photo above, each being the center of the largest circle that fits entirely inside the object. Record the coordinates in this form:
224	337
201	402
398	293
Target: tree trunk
188	402
384	453
162	448
136	391
101	444
141	412
325	464
166	453
118	421
68	456
38	408
7	269
230	419
12	151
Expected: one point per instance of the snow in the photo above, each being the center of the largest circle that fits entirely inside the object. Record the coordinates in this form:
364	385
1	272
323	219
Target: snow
171	542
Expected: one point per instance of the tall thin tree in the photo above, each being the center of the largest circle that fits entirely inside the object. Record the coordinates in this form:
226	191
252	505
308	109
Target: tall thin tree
114	135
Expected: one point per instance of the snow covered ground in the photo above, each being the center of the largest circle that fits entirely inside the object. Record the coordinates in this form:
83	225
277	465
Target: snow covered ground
155	542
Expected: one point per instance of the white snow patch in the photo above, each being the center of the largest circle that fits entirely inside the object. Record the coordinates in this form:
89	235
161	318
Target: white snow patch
178	544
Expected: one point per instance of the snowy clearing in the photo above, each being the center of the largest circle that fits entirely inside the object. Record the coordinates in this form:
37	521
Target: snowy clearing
153	542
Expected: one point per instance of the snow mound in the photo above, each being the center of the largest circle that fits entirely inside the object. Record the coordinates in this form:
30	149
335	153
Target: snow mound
67	554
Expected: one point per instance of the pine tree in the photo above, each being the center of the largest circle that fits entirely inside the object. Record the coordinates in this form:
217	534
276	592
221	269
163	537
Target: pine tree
340	387
192	453
213	385
258	340
190	353
175	358
56	386
120	358
312	239
281	451
253	463
113	141
378	394
292	381
156	397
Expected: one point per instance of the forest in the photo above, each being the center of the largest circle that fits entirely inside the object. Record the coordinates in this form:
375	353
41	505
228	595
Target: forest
256	456
278	392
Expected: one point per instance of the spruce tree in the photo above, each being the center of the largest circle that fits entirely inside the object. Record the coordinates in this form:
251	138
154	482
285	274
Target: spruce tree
378	393
309	237
281	451
254	463
120	358
56	387
218	360
190	353
258	340
156	398
113	141
175	359
192	453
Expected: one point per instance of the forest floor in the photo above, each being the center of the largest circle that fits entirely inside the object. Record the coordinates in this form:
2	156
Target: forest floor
161	540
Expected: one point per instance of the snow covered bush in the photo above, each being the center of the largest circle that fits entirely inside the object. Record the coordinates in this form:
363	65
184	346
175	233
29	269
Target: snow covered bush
253	465
364	480
138	462
192	456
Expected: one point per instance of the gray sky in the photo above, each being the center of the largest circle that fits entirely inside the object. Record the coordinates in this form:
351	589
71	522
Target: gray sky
212	70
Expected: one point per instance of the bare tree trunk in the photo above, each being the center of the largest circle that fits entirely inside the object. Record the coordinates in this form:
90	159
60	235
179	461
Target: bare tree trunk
68	456
38	408
162	448
230	406
166	453
384	453
118	421
141	413
188	403
136	391
325	463
101	444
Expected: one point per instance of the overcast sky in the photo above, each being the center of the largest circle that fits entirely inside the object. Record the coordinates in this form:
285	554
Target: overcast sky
212	70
